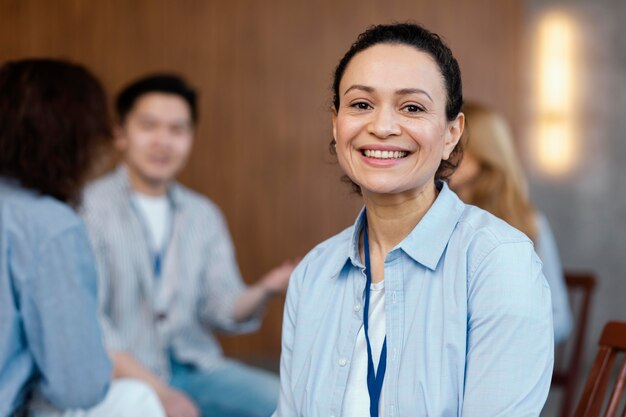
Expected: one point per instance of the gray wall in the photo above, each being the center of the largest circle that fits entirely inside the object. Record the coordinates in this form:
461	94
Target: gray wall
587	209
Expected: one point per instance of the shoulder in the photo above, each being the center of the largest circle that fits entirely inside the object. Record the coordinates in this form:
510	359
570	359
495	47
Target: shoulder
194	200
503	271
34	225
37	214
478	222
112	182
196	204
103	202
482	233
103	192
102	185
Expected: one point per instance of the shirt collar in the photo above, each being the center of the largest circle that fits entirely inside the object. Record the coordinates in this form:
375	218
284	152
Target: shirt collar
353	245
426	242
173	189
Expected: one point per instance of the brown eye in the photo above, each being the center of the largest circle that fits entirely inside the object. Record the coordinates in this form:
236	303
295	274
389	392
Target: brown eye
412	108
361	105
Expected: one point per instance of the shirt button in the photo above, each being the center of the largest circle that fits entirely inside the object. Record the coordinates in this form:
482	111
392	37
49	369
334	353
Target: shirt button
357	307
343	361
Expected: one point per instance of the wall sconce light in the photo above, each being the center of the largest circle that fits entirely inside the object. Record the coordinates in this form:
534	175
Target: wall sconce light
555	142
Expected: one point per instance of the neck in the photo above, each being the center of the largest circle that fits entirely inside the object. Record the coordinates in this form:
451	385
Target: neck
143	185
391	217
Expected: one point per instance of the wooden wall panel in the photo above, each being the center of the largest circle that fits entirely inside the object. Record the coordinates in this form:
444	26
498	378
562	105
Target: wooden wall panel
264	71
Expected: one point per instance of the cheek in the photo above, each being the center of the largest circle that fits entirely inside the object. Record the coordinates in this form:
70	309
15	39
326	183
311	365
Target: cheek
183	147
345	130
430	139
140	142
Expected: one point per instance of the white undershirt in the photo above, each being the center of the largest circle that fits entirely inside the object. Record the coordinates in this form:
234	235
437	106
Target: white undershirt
356	401
156	213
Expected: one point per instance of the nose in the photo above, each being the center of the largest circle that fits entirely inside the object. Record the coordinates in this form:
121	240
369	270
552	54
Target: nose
162	137
384	123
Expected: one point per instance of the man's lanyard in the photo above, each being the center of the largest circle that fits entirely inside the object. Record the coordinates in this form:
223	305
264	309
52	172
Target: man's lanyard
374	379
156	254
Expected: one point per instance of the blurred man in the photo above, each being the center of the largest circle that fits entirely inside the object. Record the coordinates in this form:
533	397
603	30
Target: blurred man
167	265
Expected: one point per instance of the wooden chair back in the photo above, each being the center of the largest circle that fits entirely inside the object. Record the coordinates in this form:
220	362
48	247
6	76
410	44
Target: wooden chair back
580	287
612	346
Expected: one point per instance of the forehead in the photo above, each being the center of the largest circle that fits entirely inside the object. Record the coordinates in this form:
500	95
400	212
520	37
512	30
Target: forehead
393	67
164	106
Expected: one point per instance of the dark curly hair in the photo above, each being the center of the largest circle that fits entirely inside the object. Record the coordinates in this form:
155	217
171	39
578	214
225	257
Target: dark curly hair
53	117
422	39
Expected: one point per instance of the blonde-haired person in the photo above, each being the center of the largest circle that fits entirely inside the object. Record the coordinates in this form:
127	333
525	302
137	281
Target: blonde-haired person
491	177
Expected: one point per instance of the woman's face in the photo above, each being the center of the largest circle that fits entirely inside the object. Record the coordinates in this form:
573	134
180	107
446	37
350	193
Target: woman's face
391	127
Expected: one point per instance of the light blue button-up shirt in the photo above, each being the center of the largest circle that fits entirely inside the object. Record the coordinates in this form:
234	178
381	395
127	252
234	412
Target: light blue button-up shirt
468	319
50	340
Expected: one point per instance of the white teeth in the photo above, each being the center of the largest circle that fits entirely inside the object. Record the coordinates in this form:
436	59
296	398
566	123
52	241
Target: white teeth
384	154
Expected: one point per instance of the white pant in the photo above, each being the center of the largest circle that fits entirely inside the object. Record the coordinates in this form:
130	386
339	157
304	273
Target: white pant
125	398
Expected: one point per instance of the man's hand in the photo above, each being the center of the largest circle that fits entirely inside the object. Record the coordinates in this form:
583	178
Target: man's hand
177	404
254	299
277	279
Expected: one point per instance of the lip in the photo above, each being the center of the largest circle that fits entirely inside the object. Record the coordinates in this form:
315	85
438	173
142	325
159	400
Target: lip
159	161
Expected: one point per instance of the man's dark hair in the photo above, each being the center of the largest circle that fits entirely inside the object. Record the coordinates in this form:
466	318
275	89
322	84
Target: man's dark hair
423	40
53	117
156	83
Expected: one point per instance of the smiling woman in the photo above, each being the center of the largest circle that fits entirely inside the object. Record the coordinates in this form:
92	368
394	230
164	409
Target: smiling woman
425	306
400	109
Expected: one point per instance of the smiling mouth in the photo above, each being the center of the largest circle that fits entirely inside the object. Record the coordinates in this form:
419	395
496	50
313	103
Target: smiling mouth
384	154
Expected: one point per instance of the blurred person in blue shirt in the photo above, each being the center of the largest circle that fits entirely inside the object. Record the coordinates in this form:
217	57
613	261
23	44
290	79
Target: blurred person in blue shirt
426	306
53	116
491	177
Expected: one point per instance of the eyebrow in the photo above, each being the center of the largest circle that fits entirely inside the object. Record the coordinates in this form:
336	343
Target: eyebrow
406	91
401	92
359	87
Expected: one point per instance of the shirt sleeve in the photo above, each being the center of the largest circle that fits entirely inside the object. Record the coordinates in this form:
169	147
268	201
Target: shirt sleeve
61	325
286	402
552	269
113	340
222	284
510	344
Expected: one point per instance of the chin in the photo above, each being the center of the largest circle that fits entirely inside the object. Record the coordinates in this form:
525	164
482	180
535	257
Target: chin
160	173
385	188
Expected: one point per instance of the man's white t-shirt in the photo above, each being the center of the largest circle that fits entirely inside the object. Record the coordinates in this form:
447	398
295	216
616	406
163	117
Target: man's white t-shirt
156	213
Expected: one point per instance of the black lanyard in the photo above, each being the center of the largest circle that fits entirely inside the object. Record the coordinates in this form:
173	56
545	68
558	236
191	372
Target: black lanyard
374	379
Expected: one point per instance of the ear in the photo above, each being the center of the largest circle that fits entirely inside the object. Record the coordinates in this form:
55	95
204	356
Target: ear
454	130
119	138
334	112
